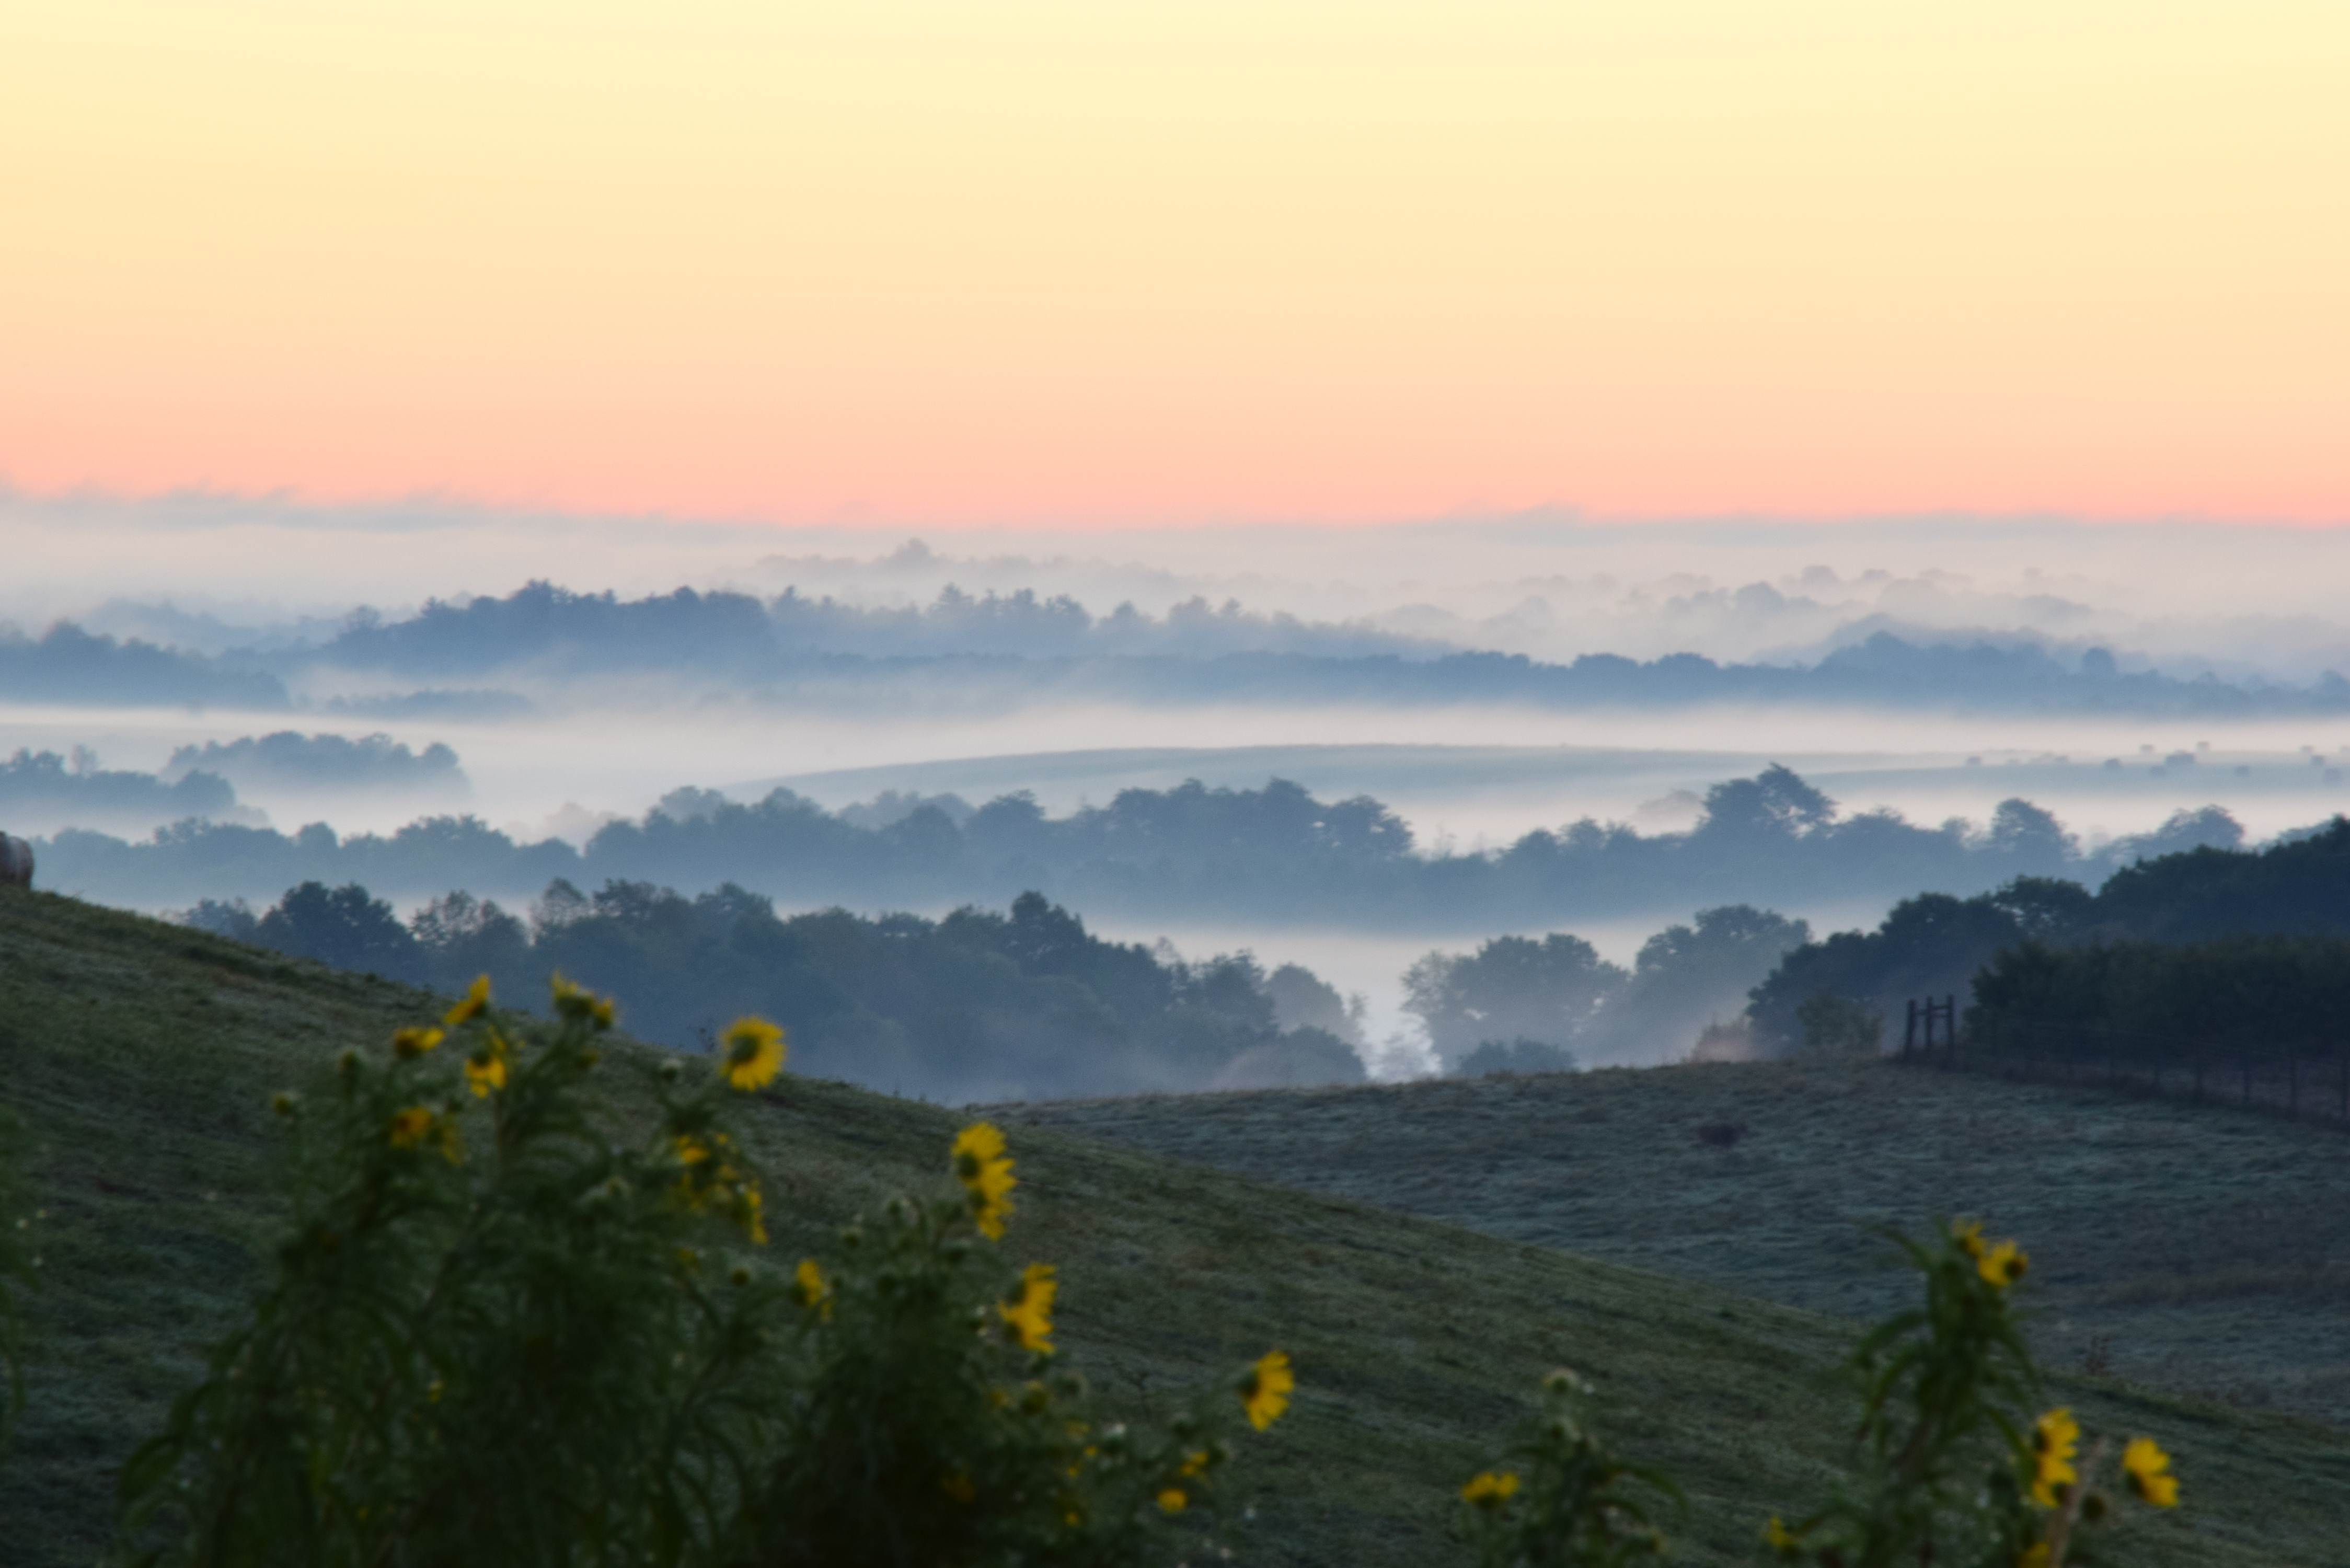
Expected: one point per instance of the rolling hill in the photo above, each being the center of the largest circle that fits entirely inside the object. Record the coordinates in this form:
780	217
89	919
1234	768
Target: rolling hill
143	1056
2201	1248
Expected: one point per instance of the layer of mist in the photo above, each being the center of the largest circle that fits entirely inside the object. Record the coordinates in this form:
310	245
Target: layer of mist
2243	602
1525	721
1277	854
1267	862
1032	1004
49	792
563	650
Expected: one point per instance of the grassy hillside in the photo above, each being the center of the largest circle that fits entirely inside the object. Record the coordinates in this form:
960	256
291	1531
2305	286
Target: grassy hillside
144	1055
2208	1248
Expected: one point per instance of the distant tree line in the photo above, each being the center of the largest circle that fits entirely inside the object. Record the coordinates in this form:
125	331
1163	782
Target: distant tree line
197	787
2201	950
900	999
1010	647
1274	853
48	785
320	761
2212	943
1223	654
69	666
2136	1001
1522	1004
977	1006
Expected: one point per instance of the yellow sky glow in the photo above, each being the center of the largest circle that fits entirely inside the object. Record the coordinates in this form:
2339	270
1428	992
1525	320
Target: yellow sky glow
1060	261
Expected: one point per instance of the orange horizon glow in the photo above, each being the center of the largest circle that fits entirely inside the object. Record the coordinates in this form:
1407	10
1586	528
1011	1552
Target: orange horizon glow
907	263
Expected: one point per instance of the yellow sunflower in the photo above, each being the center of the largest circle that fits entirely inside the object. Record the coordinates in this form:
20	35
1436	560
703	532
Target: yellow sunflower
415	1042
1029	1313
2055	1437
1265	1392
815	1291
980	1164
753	1054
2148	1468
476	1001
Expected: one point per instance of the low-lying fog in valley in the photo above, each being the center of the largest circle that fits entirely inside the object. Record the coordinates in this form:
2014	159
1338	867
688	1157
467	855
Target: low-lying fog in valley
394	664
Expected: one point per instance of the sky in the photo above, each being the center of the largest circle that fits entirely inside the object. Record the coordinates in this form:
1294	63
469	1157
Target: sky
1087	266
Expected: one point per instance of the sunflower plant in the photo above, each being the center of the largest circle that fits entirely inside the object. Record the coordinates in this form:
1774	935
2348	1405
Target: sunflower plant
489	1333
938	1424
1955	1465
1562	1498
509	1324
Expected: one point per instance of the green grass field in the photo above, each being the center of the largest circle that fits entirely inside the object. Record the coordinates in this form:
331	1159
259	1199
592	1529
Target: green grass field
2209	1248
144	1054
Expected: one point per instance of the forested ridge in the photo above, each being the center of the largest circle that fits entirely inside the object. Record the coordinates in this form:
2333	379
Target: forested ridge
979	1005
1010	647
1278	852
2217	943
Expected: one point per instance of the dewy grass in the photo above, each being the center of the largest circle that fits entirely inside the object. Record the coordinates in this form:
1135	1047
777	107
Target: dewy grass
144	1056
2206	1244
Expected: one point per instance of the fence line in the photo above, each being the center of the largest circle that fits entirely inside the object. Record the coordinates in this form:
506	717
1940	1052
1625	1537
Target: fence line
2311	1082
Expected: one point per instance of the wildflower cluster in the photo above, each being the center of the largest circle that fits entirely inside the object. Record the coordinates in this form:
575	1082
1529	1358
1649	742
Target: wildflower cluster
1954	1469
483	1332
512	1322
940	1425
1561	1496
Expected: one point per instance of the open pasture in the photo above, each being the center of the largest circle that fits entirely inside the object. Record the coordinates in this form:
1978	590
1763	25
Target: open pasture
2198	1249
143	1056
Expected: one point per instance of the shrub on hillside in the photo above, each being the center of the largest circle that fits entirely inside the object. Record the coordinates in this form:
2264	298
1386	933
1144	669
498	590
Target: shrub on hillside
1839	1026
1519	1056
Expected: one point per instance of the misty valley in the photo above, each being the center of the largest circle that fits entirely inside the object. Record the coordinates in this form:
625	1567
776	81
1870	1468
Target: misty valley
1056	785
1007	996
887	914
